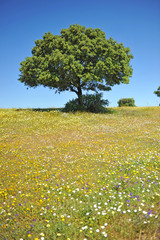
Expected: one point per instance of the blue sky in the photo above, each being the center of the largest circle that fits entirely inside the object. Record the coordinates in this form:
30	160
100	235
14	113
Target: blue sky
136	23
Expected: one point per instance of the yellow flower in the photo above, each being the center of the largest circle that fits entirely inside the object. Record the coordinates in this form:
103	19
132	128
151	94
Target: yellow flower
29	235
48	225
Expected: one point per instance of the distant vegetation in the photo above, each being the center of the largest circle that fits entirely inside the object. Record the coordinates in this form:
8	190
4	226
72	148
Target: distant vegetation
126	102
80	176
157	92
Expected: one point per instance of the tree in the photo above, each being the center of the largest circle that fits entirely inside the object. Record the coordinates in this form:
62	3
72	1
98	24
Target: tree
78	59
157	92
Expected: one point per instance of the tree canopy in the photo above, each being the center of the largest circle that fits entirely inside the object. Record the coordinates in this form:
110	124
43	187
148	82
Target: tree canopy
78	59
157	92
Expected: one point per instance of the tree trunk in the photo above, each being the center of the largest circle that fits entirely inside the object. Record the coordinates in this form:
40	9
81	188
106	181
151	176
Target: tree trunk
80	96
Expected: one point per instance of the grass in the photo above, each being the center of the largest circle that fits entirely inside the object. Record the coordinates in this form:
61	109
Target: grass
80	176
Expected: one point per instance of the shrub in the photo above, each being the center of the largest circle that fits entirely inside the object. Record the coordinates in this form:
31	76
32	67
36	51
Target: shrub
90	103
73	106
126	102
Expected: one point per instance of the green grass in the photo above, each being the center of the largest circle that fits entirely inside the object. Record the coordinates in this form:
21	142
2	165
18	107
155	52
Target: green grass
80	176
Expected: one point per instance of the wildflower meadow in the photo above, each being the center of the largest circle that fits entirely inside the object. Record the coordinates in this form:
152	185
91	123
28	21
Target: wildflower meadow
80	176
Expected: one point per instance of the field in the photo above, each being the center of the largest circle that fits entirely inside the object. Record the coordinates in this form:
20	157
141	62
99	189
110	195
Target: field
80	176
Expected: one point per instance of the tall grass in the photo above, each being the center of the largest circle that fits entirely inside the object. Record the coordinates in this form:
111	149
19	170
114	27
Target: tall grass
80	176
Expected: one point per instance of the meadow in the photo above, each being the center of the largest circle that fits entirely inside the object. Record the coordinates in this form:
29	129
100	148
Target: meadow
81	176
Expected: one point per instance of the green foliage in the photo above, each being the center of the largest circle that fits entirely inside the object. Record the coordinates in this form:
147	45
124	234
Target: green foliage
78	59
157	92
126	102
73	106
90	103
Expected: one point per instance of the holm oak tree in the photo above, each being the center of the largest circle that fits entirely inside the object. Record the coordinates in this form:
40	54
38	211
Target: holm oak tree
78	59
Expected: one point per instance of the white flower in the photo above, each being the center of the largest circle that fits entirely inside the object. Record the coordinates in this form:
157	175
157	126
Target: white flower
85	227
97	230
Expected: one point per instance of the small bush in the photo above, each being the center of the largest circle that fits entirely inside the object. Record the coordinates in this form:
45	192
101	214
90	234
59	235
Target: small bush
126	102
90	103
73	106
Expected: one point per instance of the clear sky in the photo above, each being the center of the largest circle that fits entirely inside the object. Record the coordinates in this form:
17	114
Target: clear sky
136	23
